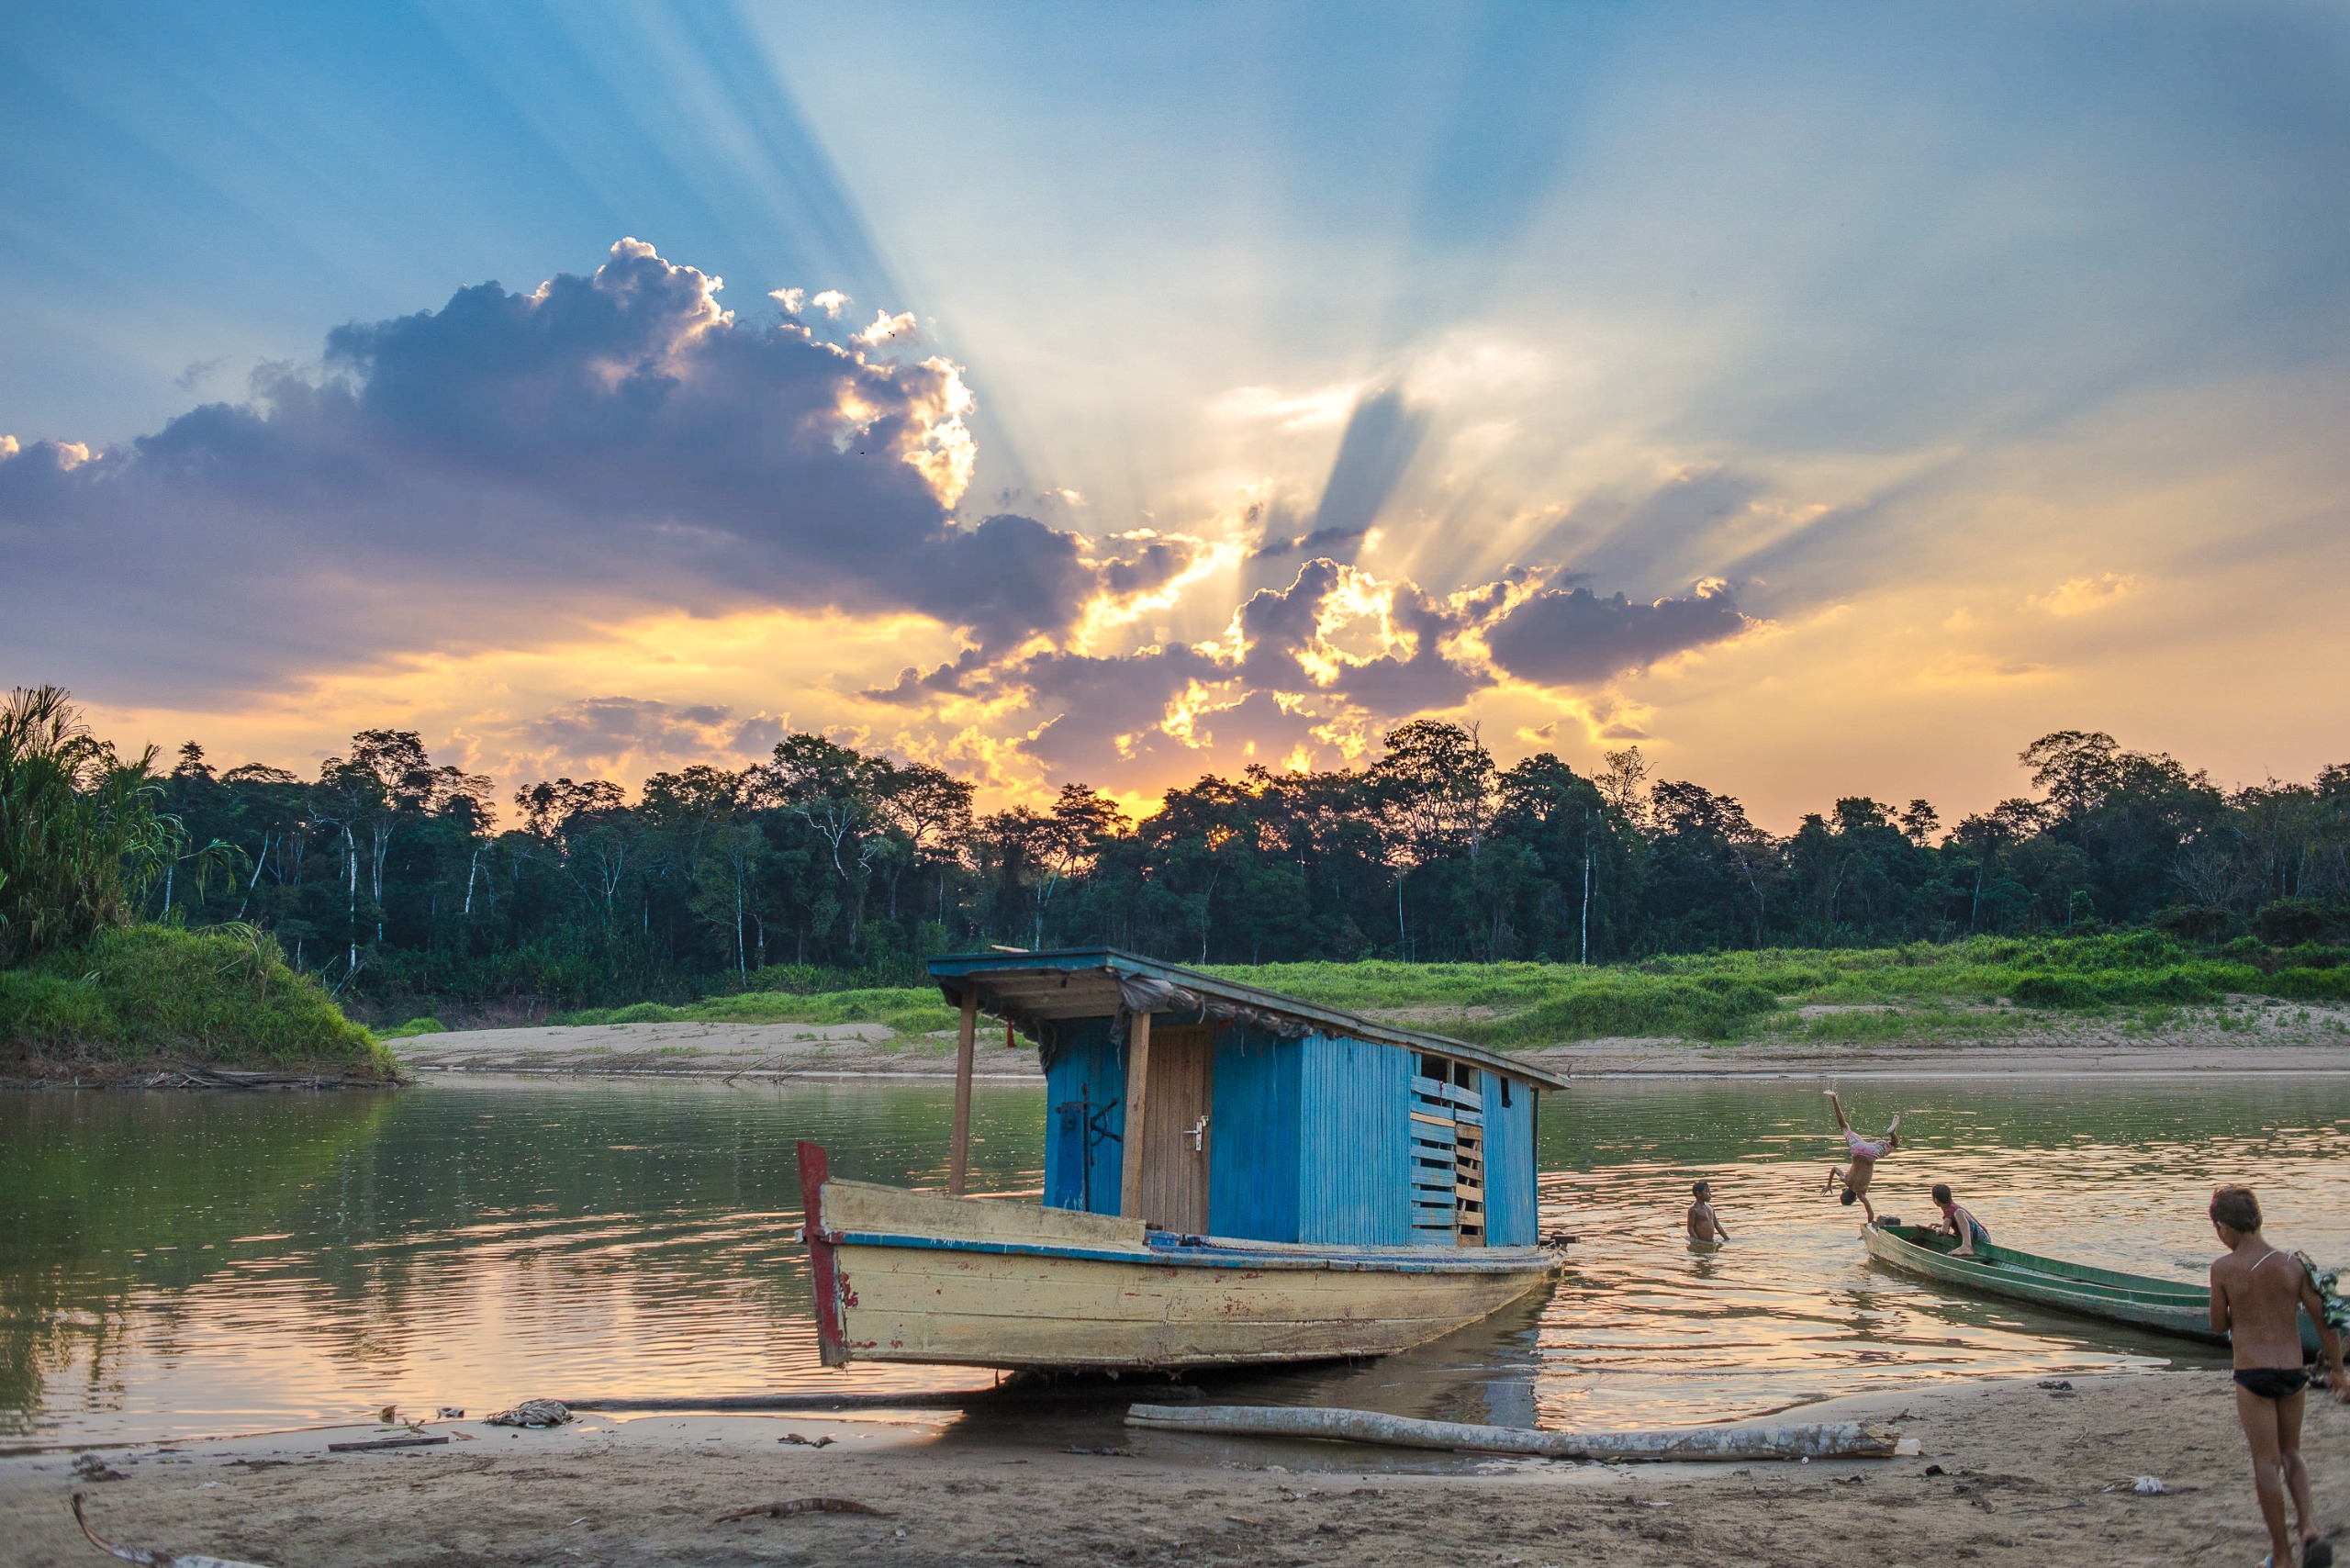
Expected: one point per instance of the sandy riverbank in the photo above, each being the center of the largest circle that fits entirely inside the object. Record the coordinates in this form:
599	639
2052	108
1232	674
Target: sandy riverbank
714	1049
709	1049
2009	1473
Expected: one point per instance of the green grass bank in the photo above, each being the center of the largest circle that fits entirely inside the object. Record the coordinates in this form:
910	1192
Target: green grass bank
1983	985
219	997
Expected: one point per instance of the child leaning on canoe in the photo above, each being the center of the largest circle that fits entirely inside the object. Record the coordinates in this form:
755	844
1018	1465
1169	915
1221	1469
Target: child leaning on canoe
2258	1294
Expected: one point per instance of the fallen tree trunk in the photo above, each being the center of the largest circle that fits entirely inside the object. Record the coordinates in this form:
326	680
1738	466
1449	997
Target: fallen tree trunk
1824	1440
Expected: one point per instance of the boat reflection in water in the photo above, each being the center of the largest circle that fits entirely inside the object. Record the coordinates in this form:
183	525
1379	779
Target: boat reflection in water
1232	1177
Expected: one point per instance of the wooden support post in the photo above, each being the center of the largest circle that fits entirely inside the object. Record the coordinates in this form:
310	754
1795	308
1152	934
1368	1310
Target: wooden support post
1138	1083
958	1154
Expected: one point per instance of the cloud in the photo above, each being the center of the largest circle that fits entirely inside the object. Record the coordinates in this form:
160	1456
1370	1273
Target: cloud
1156	561
2083	596
1574	637
511	461
600	735
1299	672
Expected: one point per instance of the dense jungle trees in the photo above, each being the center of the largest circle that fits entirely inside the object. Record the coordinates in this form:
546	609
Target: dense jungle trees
392	878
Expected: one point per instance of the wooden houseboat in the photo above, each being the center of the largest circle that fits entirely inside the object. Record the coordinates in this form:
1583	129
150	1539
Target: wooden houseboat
1231	1176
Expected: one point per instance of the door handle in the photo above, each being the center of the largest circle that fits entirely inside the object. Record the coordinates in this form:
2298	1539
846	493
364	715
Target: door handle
1197	1133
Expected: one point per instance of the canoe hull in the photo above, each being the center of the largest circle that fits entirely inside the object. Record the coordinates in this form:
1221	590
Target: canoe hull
2167	1306
908	1276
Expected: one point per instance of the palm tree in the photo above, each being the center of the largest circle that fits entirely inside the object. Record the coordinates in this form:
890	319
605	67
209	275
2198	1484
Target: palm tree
82	836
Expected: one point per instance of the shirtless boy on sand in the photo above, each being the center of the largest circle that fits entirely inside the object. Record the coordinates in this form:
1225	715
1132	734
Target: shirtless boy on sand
1865	1154
1704	1226
2257	1295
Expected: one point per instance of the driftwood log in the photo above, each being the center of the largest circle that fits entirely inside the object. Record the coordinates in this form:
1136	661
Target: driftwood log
1824	1440
374	1443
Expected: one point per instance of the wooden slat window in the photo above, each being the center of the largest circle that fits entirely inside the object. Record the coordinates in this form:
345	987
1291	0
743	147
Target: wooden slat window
1434	1138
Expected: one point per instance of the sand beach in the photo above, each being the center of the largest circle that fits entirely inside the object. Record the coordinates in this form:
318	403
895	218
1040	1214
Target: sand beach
2009	1473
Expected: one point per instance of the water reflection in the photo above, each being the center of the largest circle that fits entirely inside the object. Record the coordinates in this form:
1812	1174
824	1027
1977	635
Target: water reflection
2105	1172
177	1264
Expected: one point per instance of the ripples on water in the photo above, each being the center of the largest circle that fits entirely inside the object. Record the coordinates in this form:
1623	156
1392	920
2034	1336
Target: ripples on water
185	1264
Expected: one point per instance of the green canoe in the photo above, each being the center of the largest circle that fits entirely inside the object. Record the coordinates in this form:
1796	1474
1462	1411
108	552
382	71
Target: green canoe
2169	1307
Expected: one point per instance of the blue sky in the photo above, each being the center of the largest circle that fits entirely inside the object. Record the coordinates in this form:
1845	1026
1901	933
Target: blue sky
1921	380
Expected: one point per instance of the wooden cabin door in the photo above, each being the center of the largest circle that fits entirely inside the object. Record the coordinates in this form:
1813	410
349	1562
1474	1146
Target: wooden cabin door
1175	1134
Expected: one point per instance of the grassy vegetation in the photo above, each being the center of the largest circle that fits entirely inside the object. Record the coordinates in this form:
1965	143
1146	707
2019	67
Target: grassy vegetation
412	1028
1899	991
1903	991
224	995
1986	986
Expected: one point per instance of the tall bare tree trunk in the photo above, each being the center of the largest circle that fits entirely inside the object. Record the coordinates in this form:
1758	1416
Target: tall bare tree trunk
1584	959
258	863
350	852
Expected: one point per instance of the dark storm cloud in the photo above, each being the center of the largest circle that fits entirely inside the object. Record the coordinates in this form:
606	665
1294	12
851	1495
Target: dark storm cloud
1574	637
1150	566
615	442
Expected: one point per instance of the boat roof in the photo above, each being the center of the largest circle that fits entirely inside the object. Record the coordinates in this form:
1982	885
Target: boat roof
1084	983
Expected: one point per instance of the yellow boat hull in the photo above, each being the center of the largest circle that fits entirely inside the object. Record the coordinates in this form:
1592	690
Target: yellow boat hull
904	1276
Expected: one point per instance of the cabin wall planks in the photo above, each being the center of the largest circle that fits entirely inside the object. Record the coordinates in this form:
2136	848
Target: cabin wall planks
1354	1154
1315	1140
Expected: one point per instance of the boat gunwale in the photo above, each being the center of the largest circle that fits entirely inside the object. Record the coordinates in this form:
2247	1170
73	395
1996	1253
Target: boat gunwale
2007	1262
2186	1318
1363	1260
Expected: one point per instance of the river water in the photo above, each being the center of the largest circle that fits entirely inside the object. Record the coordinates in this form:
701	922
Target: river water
179	1265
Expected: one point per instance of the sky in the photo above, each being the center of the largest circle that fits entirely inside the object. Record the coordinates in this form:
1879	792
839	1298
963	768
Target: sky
1827	400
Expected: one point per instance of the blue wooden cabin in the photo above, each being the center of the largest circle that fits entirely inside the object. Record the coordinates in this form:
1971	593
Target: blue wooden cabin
1261	1117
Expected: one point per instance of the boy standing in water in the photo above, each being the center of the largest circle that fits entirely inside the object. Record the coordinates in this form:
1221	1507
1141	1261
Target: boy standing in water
1865	1153
2257	1296
1704	1224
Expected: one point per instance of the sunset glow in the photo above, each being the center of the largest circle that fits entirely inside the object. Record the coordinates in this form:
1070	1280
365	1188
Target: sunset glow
1825	420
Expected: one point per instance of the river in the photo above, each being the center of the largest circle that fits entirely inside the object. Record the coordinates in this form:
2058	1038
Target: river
180	1265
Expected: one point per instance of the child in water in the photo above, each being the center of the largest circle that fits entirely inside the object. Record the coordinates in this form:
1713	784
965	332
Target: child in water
1704	1226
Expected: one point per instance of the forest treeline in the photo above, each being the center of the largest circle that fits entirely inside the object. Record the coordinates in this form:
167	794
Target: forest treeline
395	879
